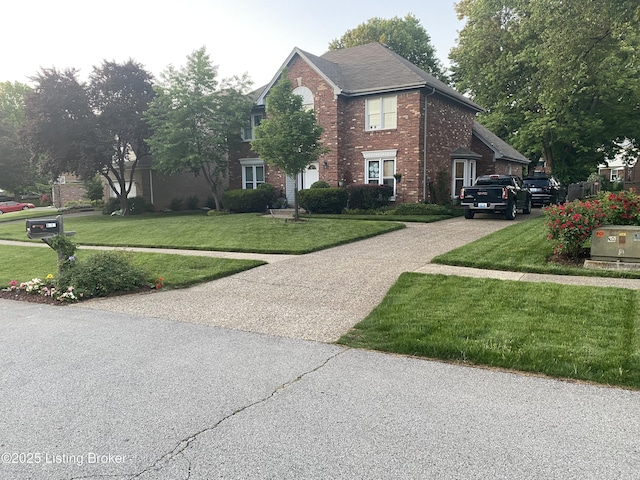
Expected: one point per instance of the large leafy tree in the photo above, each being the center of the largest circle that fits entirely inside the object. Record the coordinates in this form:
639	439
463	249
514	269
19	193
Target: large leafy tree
289	138
405	36
560	79
17	175
196	120
90	128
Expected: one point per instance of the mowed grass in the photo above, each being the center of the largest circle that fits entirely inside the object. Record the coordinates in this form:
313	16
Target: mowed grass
583	333
522	247
234	233
24	263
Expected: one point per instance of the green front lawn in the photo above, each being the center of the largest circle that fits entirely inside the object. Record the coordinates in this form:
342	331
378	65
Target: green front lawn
24	263
522	247
234	233
583	333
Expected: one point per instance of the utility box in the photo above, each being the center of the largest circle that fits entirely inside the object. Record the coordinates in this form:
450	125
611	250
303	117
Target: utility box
616	243
44	228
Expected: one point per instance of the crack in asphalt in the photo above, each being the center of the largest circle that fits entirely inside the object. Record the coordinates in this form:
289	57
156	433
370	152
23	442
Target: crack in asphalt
184	444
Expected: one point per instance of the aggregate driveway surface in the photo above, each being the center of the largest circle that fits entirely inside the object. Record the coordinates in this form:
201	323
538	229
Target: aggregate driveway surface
150	387
88	395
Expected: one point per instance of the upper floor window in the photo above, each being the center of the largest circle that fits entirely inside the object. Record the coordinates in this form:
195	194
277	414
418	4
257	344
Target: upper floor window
381	112
248	132
307	97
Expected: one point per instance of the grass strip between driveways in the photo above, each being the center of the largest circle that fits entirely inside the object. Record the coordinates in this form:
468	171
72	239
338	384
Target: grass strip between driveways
522	247
583	333
24	263
231	233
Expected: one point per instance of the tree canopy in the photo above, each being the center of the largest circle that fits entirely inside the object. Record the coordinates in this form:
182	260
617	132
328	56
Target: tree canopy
196	120
289	138
90	128
404	36
17	175
559	79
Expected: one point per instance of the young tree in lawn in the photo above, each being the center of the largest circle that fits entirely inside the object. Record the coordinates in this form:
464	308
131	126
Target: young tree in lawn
72	127
289	137
196	121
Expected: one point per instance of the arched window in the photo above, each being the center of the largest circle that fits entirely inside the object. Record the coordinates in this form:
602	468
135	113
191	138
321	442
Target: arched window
307	97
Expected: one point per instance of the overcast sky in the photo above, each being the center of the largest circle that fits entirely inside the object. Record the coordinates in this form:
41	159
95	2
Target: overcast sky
251	36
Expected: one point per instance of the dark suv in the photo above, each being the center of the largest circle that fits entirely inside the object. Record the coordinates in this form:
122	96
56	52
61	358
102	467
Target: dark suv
545	190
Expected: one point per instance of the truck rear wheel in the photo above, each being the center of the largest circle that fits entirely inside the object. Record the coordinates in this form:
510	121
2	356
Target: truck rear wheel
468	213
527	208
510	212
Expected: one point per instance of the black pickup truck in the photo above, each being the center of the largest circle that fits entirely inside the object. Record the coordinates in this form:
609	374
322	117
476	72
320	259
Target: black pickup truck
503	194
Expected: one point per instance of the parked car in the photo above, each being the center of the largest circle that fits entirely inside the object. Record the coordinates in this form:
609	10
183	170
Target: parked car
6	207
503	194
546	190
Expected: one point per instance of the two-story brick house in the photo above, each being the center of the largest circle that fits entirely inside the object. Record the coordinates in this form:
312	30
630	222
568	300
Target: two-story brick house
385	121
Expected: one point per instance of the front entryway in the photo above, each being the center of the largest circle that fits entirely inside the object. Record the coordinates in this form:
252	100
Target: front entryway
305	180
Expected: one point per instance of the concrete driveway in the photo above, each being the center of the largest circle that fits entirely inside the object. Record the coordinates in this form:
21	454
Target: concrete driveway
152	386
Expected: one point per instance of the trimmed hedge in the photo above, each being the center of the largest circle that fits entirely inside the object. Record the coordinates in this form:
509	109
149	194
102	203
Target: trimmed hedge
320	184
245	201
323	200
422	209
368	196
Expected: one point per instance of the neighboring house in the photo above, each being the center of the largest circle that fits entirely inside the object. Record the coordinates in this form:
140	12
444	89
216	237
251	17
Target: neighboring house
161	190
617	170
67	188
382	117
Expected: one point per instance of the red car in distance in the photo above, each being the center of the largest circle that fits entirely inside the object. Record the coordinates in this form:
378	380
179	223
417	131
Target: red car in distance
6	207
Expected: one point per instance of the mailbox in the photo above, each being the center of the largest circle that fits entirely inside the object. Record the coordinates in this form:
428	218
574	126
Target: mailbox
616	243
45	228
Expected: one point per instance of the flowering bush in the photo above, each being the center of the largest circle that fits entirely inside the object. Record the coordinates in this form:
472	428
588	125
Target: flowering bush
622	208
570	225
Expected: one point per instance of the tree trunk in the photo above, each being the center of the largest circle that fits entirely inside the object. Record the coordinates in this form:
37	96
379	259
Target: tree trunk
296	211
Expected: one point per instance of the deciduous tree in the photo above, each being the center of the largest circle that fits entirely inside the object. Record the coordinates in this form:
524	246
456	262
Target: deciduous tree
289	138
196	120
405	36
559	79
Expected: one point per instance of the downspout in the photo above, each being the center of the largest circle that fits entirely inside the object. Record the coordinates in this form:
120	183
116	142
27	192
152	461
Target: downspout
424	179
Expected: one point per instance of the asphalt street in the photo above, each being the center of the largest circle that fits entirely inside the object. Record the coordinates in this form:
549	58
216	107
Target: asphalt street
95	395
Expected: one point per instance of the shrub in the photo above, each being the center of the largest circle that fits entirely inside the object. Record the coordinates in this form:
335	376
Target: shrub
369	197
269	191
622	208
101	274
137	205
176	204
422	209
323	200
192	203
320	184
94	189
570	225
242	201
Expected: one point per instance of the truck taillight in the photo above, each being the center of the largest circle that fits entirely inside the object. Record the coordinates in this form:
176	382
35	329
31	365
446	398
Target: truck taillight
505	193
462	193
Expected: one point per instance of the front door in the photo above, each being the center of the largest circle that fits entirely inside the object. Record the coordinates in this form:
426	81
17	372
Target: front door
305	179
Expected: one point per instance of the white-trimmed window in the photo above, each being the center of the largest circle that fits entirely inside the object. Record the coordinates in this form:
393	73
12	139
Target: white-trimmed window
380	167
252	173
307	97
381	112
464	173
248	132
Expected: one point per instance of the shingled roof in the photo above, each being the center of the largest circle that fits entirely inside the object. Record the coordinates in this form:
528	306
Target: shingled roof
502	150
368	69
